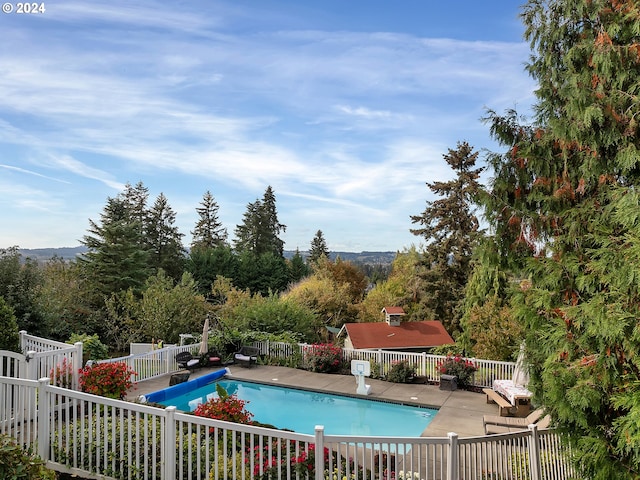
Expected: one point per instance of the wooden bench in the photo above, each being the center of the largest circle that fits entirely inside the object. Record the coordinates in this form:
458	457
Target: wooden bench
504	406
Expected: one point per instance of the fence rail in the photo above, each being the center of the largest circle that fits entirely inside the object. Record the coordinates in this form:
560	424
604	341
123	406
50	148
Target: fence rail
87	435
426	365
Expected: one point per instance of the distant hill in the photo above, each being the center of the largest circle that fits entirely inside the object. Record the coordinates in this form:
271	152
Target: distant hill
69	253
43	254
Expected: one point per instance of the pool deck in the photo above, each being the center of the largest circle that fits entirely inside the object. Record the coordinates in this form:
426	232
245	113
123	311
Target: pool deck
459	411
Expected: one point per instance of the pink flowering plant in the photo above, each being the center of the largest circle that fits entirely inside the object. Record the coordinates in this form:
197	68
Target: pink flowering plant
111	380
62	374
324	358
268	466
459	367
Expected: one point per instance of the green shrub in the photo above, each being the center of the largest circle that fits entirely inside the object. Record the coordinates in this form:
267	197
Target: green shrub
92	347
19	464
376	369
459	367
401	372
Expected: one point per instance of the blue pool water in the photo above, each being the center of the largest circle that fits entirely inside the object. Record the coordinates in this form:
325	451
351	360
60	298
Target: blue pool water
302	410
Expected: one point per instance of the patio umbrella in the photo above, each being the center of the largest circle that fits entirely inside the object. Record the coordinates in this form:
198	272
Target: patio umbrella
521	373
204	348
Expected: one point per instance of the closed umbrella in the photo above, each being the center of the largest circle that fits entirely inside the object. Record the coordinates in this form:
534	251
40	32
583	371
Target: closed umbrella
204	347
521	372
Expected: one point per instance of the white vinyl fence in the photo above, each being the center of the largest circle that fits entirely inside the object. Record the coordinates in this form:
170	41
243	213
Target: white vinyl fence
383	360
43	358
87	435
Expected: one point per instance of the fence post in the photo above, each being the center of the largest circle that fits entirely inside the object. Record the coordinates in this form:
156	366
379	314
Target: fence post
43	418
32	367
170	355
169	446
23	341
423	360
535	470
319	433
77	365
453	459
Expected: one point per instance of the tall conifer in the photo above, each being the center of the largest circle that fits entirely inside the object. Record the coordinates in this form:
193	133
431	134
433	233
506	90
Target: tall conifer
565	206
450	229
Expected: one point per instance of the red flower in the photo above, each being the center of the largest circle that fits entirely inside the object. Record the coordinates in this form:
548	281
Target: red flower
109	379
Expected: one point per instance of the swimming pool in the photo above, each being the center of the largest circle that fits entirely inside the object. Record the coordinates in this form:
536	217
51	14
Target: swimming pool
301	410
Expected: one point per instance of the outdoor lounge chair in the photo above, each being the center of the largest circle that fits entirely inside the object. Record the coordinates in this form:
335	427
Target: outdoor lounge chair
187	361
494	424
246	356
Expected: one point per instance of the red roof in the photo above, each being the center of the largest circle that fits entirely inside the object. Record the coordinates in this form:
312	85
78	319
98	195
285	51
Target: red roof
393	310
428	333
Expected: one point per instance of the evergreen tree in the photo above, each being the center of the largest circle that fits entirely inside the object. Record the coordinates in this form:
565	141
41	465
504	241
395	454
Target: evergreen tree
247	232
260	229
564	204
116	258
164	241
263	274
318	248
207	264
450	230
269	240
298	269
208	232
134	199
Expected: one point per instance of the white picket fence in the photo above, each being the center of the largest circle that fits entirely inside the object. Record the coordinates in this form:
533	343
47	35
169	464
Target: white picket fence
426	365
82	434
40	358
87	435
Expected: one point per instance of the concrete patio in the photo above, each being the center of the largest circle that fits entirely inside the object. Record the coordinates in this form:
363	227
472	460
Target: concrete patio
459	411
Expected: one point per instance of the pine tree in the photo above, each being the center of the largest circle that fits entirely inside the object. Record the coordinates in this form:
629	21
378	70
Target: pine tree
166	251
451	232
117	258
134	200
269	239
208	232
564	204
248	231
318	249
260	229
298	269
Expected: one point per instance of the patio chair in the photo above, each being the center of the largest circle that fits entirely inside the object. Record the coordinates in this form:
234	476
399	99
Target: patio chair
187	361
494	424
246	356
213	358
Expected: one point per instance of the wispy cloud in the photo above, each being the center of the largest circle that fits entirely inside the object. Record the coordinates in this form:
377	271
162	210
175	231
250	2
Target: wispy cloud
29	172
187	95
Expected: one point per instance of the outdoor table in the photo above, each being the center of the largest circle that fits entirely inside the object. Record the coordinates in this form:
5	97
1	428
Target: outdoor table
517	395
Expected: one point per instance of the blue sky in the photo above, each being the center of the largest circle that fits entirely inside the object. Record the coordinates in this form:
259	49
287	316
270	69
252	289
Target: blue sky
344	107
